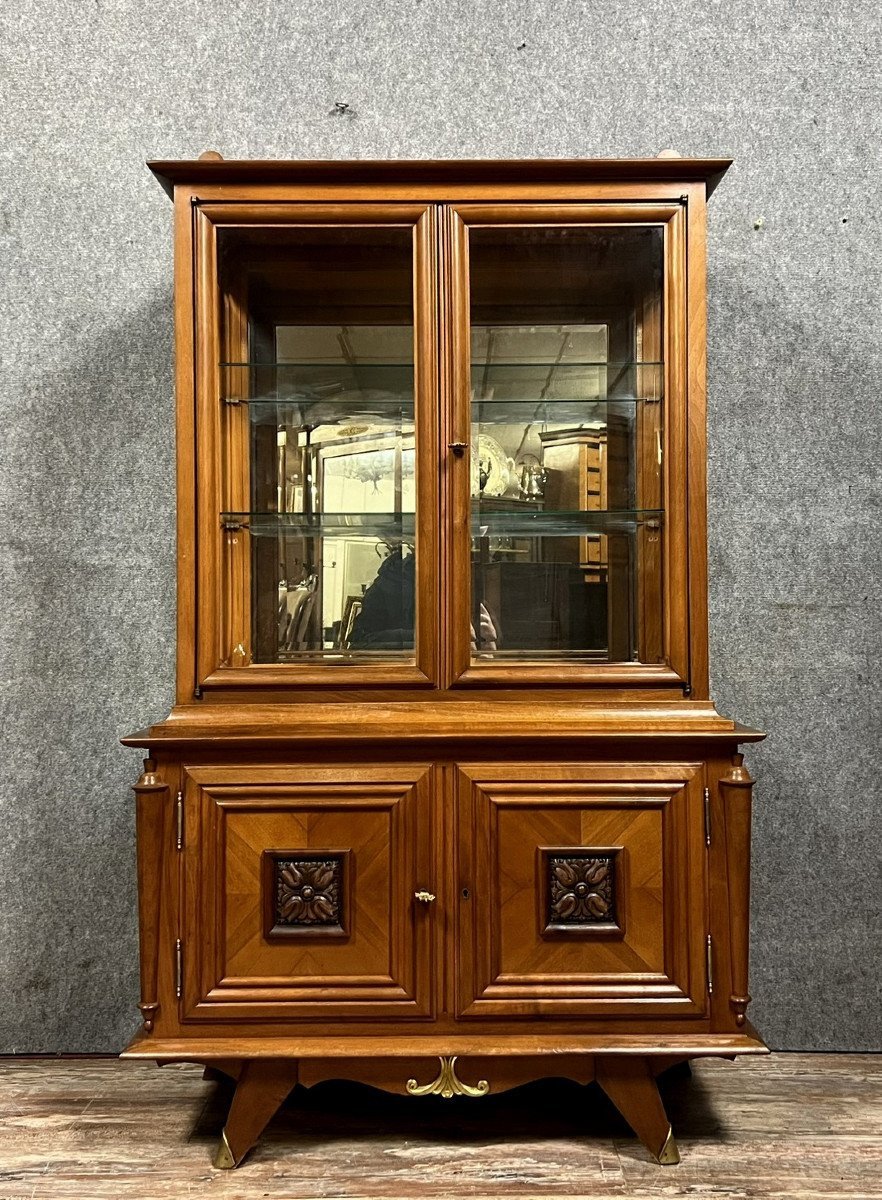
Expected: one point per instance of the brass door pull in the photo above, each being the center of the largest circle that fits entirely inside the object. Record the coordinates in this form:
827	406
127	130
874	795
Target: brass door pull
458	448
423	897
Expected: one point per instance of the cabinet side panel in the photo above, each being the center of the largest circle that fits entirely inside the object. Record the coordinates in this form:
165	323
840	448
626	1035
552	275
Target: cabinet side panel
186	443
696	410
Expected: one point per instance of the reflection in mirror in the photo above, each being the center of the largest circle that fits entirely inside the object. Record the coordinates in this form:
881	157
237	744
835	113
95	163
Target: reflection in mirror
566	476
319	353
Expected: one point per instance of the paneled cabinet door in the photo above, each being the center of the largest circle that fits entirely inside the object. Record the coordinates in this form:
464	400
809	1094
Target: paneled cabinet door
582	890
300	888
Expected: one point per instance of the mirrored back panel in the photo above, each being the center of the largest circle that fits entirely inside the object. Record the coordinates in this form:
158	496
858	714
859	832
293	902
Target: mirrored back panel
567	379
319	366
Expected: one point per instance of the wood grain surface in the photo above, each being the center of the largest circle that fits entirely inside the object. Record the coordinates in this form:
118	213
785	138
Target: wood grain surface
441	782
457	175
793	1125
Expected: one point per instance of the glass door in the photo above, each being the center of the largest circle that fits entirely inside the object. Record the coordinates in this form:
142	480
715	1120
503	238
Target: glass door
327	432
560	376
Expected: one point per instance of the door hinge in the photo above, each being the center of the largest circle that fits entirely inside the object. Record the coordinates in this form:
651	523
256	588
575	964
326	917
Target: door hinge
179	968
711	966
179	816
707	817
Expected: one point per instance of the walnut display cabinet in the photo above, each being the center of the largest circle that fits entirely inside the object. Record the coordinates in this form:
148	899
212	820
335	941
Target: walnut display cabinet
443	805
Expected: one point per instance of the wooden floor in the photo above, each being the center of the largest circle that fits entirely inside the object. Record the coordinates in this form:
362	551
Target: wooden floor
793	1125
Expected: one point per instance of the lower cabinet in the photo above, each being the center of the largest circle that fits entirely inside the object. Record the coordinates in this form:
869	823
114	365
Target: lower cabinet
437	926
560	890
300	892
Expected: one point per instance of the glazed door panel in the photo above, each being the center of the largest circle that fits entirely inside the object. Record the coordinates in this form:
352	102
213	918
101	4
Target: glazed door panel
300	892
566	402
583	890
317	421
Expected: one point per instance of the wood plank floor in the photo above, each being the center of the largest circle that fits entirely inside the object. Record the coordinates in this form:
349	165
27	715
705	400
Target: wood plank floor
793	1125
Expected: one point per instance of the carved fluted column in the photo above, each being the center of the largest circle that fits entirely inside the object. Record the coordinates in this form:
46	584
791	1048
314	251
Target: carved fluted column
151	796
736	791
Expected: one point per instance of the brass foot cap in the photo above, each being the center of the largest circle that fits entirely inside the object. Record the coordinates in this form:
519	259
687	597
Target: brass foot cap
224	1159
669	1155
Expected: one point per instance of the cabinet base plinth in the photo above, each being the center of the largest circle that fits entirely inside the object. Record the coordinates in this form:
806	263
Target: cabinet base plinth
625	1068
264	1085
210	1050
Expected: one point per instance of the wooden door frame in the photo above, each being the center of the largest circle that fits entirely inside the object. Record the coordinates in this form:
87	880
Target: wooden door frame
684	622
205	449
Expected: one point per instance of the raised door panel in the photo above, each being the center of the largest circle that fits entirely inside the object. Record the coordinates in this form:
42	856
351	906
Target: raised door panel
582	890
300	892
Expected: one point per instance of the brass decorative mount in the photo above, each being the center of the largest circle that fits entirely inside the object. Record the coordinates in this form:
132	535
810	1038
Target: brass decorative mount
224	1160
669	1155
447	1084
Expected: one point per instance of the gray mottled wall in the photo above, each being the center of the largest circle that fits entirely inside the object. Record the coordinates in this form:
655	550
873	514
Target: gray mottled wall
91	88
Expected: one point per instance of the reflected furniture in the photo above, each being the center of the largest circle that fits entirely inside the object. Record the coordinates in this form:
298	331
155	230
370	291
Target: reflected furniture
443	805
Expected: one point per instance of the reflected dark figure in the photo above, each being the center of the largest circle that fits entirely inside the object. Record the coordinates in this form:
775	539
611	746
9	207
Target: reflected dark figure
386	619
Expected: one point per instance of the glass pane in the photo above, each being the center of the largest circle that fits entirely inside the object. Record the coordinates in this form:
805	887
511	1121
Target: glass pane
567	380
318	385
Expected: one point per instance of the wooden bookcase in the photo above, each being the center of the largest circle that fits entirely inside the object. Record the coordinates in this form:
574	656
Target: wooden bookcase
443	796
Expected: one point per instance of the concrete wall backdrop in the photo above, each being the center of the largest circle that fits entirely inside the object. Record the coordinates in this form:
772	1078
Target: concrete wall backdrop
91	88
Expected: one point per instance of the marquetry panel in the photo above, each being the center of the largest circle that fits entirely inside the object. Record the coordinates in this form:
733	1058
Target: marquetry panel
586	889
300	892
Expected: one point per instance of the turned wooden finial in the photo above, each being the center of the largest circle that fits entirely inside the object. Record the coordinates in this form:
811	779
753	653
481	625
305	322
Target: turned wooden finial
211	156
148	1015
738	774
148	778
149	781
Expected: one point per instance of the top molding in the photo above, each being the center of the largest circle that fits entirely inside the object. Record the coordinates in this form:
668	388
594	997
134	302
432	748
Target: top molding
441	171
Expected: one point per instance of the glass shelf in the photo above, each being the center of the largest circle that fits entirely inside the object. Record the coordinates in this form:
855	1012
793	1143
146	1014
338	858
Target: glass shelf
511	523
369	364
563	523
376	525
565	412
343	385
331	365
350	415
536	365
566	381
